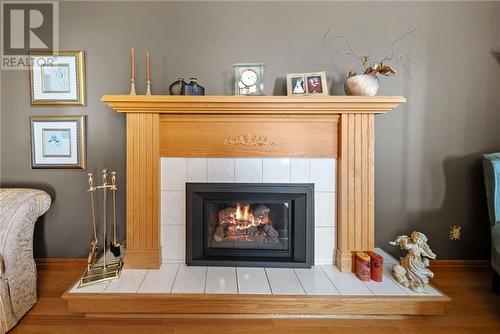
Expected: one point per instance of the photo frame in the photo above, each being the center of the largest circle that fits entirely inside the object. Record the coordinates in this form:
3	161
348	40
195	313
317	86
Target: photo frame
313	83
57	78
58	142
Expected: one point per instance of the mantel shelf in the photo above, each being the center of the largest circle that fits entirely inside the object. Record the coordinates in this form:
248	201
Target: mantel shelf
252	104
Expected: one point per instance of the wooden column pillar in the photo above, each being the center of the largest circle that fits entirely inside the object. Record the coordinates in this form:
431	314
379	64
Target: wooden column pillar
143	191
355	188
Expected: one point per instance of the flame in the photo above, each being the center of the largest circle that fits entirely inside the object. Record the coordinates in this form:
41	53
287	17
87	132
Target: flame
242	213
243	217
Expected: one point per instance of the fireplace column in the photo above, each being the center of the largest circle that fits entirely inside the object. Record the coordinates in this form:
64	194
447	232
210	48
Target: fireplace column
355	188
143	191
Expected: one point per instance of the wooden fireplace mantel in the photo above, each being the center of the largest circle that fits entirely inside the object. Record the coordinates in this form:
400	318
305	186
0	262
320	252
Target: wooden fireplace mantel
340	127
254	104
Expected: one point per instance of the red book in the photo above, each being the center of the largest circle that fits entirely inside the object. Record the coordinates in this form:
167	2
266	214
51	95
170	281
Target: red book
377	266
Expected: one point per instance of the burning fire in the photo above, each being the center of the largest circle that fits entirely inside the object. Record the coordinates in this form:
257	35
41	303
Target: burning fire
245	223
242	213
243	217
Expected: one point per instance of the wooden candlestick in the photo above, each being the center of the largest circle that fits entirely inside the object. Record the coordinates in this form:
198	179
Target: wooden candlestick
132	72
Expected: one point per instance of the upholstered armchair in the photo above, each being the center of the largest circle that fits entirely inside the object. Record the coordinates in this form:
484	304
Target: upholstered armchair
19	210
491	166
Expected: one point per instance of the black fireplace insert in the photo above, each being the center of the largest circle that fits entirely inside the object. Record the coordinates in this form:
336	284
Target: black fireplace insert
250	224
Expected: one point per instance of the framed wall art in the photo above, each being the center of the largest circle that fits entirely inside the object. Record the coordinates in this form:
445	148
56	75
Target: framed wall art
57	78
58	142
307	83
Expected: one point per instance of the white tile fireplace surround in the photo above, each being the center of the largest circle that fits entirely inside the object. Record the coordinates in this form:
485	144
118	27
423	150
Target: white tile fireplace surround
178	171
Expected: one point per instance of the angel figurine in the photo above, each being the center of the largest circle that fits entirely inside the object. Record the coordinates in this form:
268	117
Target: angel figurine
412	270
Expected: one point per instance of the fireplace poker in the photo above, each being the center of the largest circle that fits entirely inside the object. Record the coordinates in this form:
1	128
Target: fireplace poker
105	209
93	244
115	246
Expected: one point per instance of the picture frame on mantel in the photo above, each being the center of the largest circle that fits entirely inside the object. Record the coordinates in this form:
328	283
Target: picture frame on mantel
313	83
58	142
57	78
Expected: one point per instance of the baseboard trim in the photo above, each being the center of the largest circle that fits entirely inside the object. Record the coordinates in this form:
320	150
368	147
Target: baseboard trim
60	260
460	265
64	262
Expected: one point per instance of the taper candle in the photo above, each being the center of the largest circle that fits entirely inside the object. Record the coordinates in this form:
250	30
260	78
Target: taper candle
132	72
148	66
132	63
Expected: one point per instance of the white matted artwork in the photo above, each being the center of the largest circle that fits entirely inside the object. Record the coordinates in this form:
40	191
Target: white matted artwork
58	142
57	78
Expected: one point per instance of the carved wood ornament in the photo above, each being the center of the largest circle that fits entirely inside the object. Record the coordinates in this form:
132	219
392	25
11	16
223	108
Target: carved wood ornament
248	140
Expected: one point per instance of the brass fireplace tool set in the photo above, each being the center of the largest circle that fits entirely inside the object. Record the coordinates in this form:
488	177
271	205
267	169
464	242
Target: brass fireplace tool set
103	269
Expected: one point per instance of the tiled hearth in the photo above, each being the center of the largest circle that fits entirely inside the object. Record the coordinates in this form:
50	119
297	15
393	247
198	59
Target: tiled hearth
320	280
175	172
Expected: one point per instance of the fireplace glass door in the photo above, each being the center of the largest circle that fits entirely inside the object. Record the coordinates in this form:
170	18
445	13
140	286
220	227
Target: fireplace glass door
249	224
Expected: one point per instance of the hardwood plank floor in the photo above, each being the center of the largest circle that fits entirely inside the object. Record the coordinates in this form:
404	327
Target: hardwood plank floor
474	309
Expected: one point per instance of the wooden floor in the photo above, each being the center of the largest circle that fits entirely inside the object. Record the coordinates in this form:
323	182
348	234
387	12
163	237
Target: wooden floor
474	309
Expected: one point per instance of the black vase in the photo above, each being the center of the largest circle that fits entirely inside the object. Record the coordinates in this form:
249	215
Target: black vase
193	88
177	87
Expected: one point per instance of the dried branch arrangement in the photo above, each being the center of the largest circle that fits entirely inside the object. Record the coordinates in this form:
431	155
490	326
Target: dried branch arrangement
384	67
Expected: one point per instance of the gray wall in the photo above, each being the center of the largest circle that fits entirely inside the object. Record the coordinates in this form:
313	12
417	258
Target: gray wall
428	173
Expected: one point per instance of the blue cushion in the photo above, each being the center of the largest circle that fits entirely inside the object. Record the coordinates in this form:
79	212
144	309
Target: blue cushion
491	166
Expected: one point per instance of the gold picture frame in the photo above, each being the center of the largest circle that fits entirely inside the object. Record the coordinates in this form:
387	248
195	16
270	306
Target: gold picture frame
65	70
58	142
313	83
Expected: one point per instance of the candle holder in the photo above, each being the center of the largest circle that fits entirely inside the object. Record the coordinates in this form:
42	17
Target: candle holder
132	72
132	86
148	87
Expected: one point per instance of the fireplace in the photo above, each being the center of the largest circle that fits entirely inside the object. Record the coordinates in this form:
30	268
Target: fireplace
338	127
236	224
